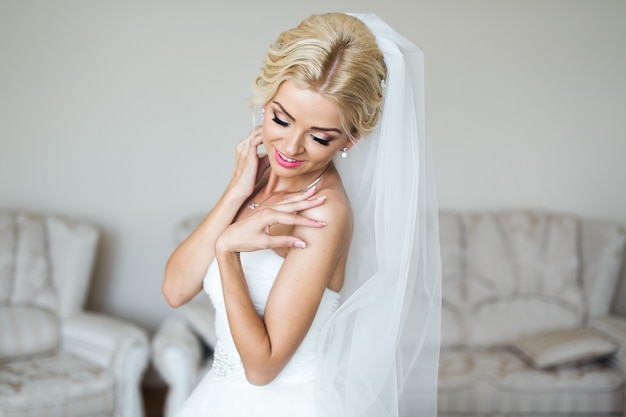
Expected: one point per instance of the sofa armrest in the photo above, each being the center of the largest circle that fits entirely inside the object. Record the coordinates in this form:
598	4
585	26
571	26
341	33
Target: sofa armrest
177	354
116	345
614	327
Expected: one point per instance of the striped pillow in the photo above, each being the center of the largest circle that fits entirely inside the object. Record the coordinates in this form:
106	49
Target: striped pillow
26	332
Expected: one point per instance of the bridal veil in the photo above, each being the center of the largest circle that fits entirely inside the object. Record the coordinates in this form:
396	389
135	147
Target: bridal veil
381	348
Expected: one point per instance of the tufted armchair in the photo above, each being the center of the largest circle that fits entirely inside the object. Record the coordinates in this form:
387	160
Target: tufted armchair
182	346
56	359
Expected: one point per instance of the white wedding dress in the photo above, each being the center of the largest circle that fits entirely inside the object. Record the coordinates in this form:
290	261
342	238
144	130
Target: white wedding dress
376	354
224	391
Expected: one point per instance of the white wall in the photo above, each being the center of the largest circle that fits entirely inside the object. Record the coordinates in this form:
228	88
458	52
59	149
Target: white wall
127	113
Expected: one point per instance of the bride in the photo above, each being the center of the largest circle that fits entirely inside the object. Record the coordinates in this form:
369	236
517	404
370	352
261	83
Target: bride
321	257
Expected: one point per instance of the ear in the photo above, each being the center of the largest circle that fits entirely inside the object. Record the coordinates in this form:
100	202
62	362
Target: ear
352	141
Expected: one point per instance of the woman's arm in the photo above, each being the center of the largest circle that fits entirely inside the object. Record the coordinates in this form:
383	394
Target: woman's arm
188	263
267	344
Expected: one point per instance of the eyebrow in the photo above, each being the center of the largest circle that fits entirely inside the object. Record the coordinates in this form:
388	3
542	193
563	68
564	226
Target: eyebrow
323	129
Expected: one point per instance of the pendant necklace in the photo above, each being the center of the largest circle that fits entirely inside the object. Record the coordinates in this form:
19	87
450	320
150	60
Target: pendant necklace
253	205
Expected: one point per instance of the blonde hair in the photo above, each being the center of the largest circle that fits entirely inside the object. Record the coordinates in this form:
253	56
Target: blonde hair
335	55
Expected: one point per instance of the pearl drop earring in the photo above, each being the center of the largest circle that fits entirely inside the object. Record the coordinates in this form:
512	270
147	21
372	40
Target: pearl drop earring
344	152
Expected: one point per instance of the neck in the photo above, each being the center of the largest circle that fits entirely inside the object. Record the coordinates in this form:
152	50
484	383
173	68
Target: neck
276	184
273	187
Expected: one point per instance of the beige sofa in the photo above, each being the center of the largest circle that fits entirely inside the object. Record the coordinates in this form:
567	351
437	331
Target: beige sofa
526	322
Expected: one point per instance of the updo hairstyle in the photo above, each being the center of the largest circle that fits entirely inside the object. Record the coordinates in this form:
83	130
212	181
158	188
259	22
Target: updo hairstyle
333	54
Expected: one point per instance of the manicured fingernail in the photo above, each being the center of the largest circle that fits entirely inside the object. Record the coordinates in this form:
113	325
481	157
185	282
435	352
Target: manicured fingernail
321	198
300	244
322	223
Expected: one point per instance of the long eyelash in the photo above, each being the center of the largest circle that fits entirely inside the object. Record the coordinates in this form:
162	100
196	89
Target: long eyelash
280	122
285	124
321	141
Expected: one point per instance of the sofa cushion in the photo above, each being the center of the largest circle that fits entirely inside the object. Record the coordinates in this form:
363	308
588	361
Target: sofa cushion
520	266
26	332
602	256
29	324
72	251
60	385
499	382
565	347
24	270
502	321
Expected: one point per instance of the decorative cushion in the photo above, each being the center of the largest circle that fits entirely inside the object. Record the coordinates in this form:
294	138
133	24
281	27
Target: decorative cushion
26	332
602	256
24	270
565	347
72	251
28	299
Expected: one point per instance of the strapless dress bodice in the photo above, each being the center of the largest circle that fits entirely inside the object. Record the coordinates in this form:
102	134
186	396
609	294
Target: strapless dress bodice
261	269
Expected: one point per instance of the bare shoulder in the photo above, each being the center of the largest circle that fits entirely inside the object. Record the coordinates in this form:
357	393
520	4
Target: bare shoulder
322	262
336	199
336	213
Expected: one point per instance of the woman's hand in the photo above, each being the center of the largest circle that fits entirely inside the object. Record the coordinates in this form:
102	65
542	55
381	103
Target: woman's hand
249	167
188	263
252	233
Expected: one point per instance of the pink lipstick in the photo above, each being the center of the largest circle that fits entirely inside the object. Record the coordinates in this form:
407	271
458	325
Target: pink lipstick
285	161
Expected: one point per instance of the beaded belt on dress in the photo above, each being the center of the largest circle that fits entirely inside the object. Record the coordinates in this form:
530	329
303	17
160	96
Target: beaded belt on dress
227	364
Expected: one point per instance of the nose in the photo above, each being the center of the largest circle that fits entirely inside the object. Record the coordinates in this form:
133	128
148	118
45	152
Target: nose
293	144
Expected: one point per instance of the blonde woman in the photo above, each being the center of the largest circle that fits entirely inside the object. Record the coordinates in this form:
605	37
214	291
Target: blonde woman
311	255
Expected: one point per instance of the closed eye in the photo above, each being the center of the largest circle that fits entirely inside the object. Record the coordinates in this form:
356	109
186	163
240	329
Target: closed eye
280	122
320	140
283	123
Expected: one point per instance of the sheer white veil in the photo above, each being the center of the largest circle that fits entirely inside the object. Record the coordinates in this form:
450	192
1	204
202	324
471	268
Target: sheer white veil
382	345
